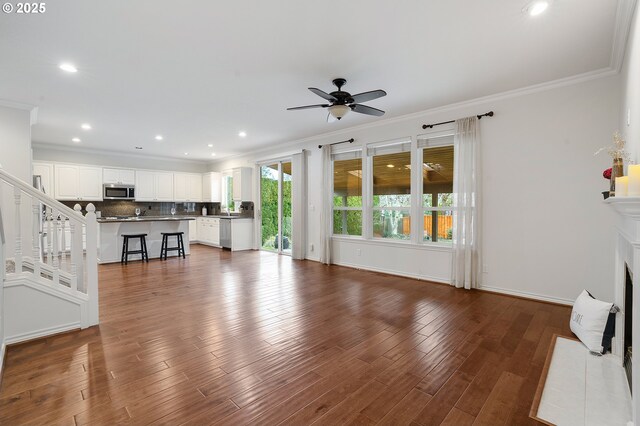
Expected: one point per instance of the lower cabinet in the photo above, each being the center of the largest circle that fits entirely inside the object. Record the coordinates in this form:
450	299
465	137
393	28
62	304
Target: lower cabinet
208	230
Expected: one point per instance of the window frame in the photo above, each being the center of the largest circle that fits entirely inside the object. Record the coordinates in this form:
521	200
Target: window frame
358	153
440	137
403	144
416	209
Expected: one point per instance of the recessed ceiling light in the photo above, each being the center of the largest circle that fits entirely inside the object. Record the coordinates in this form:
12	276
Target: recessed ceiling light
76	140
210	145
242	134
537	7
390	166
186	153
65	66
213	154
159	137
86	126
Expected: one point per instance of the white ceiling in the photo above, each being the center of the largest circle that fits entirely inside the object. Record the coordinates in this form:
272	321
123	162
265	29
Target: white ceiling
198	72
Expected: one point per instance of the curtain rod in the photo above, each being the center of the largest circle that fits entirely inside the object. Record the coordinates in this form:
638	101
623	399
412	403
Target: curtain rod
430	126
336	143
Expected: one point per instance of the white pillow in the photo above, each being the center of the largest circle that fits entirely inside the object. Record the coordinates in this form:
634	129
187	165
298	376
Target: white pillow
589	319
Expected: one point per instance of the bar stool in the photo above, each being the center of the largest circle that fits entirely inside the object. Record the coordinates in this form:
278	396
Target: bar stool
125	247
165	242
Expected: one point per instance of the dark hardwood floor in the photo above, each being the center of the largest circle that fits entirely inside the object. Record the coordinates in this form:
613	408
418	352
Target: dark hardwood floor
256	338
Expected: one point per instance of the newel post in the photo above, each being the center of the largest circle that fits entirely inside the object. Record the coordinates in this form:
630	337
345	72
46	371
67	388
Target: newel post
92	264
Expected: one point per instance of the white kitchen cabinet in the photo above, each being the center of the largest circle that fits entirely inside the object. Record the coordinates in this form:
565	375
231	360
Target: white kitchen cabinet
211	187
241	234
242	184
154	186
208	230
187	187
193	231
119	176
45	171
72	182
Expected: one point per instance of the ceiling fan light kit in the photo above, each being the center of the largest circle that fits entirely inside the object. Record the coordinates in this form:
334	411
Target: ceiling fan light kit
342	102
338	111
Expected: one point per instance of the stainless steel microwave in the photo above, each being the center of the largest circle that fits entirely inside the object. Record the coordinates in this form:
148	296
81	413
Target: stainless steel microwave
118	192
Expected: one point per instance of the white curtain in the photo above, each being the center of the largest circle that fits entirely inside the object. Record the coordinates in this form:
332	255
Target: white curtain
298	204
327	208
466	205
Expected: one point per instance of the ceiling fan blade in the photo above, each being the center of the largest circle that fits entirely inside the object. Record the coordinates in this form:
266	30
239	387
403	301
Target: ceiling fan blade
363	109
323	94
368	96
309	106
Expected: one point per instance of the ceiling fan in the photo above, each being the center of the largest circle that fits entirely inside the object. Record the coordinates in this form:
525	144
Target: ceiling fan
342	102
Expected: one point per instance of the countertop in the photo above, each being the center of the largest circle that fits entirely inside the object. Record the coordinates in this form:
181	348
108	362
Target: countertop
111	219
224	216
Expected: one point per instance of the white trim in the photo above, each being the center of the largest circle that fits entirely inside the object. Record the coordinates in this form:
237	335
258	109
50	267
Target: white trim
3	349
527	90
42	333
64	148
390	243
16	105
27	279
33	116
393	272
624	15
527	295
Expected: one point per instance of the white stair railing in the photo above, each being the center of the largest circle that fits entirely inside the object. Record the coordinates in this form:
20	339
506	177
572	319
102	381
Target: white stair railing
59	249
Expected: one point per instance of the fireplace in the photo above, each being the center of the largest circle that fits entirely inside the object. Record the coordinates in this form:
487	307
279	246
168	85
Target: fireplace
628	324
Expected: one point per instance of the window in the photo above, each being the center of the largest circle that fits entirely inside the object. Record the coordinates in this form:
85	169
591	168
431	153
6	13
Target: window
227	192
396	191
391	184
347	193
437	189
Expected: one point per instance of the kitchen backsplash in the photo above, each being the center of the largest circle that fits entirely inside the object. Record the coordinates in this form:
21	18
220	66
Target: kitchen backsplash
128	208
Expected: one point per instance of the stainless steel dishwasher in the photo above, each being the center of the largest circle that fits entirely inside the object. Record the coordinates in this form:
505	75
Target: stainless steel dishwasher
225	233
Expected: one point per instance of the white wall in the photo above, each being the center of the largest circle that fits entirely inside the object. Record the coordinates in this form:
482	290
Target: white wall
630	105
100	158
15	142
15	158
547	233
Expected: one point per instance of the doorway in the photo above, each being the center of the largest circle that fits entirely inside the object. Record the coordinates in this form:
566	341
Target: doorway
275	207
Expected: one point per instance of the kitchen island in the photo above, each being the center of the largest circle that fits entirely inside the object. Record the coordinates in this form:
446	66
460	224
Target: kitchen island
110	230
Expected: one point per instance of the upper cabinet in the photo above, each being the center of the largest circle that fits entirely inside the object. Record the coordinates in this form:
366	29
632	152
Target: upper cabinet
187	187
211	187
154	186
73	182
242	184
119	176
45	171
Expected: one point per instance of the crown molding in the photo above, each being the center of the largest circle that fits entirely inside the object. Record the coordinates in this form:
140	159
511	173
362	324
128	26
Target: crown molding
624	16
528	90
33	109
94	151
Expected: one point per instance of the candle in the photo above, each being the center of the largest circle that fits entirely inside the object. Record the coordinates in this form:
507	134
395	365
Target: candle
622	186
634	180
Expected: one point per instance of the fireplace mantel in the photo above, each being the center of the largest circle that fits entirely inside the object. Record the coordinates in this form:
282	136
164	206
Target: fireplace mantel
627	254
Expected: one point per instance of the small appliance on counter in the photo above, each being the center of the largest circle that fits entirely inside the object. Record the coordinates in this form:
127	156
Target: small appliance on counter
204	210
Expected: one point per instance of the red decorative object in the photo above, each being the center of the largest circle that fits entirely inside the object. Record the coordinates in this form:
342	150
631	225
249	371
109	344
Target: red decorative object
607	173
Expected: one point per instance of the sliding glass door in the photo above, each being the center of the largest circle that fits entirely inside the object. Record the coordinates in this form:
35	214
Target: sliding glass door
275	207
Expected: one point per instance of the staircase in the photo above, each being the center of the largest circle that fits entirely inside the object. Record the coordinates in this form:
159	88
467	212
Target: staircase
49	263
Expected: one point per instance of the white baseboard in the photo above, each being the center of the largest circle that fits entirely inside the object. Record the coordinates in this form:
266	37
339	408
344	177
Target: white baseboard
3	349
393	272
528	295
40	333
